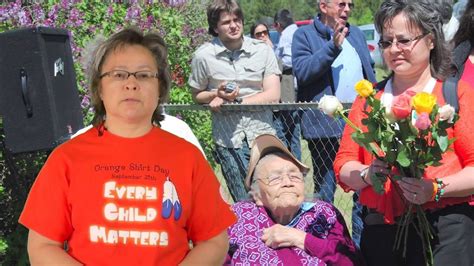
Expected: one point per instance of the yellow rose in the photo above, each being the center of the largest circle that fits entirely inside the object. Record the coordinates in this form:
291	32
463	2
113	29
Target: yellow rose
364	88
423	102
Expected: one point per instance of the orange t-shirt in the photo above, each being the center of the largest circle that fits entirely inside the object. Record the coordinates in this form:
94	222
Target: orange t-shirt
390	203
127	201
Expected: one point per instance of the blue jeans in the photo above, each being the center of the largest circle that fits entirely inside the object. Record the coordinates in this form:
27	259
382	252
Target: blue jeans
234	164
288	128
323	151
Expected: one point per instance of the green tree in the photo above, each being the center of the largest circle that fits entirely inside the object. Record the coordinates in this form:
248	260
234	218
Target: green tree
255	10
364	11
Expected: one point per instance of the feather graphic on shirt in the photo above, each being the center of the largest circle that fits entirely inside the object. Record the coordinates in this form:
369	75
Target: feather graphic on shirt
177	205
167	202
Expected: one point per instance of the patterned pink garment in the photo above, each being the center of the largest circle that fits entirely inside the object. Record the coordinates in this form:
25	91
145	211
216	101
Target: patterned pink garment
323	223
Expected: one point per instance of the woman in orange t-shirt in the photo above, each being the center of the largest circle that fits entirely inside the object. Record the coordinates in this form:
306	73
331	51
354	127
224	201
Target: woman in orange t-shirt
413	48
126	192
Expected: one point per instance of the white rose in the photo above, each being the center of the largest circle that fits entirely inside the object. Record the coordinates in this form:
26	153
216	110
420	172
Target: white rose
329	105
446	112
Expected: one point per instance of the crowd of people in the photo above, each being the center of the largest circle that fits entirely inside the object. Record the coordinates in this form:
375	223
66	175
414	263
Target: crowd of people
127	190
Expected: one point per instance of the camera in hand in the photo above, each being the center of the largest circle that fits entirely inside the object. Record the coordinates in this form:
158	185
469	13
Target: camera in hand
230	86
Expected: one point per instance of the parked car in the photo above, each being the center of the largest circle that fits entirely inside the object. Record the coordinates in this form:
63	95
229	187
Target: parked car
303	22
372	37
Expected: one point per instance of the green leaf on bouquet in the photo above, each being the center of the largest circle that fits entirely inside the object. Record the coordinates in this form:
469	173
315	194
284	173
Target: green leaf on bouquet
391	156
402	158
378	183
366	141
397	177
443	142
376	105
365	121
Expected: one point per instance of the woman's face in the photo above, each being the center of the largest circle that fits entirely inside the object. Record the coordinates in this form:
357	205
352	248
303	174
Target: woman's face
133	99
286	196
261	33
407	50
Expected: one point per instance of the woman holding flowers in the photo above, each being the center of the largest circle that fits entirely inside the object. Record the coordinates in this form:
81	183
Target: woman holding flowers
391	182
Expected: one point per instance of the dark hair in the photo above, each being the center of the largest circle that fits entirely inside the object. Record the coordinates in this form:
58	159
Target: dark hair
283	17
444	7
421	15
215	9
466	26
254	26
130	36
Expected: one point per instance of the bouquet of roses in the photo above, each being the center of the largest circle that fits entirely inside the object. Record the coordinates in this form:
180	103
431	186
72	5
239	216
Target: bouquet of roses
409	137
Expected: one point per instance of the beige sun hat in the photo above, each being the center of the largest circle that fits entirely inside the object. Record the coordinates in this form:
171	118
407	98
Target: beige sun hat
263	145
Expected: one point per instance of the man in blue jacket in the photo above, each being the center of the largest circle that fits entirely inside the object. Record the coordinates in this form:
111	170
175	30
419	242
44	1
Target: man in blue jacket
329	57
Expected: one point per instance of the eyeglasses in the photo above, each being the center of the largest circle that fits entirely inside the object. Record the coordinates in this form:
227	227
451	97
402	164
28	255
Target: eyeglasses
401	43
122	75
273	180
343	5
260	34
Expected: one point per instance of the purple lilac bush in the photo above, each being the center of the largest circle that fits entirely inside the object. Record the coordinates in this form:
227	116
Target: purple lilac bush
180	22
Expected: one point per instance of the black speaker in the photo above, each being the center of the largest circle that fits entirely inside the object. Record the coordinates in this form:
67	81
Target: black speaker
39	100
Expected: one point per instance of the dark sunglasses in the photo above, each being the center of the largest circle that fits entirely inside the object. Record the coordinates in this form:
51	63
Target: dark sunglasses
261	33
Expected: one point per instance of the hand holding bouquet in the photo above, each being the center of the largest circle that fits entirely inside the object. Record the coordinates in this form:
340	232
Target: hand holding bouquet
408	135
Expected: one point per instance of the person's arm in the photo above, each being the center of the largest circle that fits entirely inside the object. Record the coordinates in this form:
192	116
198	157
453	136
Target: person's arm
209	252
285	47
204	96
336	249
358	175
310	65
270	93
271	80
460	184
215	98
352	174
44	251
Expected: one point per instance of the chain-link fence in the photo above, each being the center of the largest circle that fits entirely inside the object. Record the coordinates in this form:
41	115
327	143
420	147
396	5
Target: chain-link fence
316	146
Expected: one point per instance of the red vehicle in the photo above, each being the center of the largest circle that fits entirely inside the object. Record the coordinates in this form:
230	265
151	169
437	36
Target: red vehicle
303	22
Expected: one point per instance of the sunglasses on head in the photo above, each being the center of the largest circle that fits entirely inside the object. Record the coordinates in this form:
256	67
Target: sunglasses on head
261	33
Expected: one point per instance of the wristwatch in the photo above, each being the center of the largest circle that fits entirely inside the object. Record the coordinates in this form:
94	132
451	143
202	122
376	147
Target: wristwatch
363	175
238	100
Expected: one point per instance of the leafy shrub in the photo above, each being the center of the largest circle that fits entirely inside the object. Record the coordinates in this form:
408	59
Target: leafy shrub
181	23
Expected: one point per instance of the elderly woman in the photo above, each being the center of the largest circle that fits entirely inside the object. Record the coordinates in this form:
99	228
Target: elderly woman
414	49
277	227
120	193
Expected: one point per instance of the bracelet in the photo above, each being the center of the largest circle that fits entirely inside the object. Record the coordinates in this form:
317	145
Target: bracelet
435	190
440	191
363	175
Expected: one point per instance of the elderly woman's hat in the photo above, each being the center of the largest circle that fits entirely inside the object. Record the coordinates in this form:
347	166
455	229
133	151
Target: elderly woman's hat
263	145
